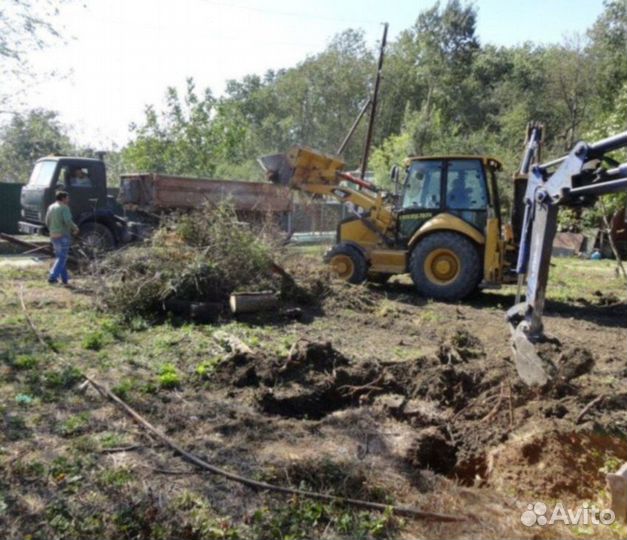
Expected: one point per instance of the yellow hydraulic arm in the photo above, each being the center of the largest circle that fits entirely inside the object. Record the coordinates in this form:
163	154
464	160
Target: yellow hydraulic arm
310	171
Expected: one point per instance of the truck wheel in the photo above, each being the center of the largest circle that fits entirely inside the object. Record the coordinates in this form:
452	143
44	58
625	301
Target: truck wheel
445	266
95	239
347	263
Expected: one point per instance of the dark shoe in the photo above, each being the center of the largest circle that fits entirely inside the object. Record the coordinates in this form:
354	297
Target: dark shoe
52	281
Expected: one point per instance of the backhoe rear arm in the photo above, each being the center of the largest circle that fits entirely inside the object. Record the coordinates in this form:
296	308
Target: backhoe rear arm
578	181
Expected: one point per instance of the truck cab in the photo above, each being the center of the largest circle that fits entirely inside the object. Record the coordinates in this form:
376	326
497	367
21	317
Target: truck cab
86	182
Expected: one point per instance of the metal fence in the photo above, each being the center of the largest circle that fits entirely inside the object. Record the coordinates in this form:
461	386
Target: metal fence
317	216
9	207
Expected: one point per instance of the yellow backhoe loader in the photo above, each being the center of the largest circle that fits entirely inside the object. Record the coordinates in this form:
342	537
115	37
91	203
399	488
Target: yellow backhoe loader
444	227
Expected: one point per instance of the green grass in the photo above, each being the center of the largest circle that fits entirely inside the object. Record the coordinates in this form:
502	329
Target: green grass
168	377
570	279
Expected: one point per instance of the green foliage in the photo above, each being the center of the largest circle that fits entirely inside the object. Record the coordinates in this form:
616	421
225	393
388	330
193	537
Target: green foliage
25	361
28	137
313	103
207	367
115	477
93	341
169	377
74	425
62	378
613	120
113	327
301	519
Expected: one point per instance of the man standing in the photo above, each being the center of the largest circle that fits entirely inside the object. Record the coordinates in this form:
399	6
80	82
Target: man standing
61	226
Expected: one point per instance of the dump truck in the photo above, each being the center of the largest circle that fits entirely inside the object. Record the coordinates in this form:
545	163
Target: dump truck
105	222
154	193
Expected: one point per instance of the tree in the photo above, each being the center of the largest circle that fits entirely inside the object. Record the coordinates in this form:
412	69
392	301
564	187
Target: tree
313	103
608	43
28	137
571	79
25	26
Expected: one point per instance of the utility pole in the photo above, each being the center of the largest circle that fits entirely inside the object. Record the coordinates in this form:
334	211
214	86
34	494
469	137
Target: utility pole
373	109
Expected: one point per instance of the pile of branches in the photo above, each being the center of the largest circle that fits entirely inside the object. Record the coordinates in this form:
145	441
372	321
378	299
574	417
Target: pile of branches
201	256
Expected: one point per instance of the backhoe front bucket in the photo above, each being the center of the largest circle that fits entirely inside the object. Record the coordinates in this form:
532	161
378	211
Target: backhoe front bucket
301	165
277	168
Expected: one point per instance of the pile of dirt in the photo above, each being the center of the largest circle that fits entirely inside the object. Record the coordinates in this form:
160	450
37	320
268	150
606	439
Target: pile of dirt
314	284
554	461
313	381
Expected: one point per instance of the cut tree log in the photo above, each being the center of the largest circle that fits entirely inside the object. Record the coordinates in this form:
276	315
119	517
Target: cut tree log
251	302
201	312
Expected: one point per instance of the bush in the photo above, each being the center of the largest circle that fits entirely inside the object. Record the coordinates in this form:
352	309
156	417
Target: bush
202	256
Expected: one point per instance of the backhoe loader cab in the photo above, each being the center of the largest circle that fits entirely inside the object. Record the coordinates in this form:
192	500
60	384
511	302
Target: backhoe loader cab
463	186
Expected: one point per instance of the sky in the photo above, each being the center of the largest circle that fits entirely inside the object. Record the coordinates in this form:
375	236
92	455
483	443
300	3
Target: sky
120	55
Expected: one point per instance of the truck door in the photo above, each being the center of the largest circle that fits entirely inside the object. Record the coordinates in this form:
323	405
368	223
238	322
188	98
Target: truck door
85	182
38	194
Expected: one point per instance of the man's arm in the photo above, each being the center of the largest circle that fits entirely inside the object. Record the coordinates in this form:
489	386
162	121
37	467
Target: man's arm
67	219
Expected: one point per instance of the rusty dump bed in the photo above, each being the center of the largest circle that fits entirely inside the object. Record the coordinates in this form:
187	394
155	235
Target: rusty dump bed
153	192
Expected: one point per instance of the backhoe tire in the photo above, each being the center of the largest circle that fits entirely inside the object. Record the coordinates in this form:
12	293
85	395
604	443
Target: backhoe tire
95	239
347	263
445	266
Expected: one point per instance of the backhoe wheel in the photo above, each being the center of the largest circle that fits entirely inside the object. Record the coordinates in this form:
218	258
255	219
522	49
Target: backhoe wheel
445	266
347	263
95	239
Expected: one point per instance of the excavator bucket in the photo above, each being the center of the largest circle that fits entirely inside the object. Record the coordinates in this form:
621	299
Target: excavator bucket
531	367
277	168
301	165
